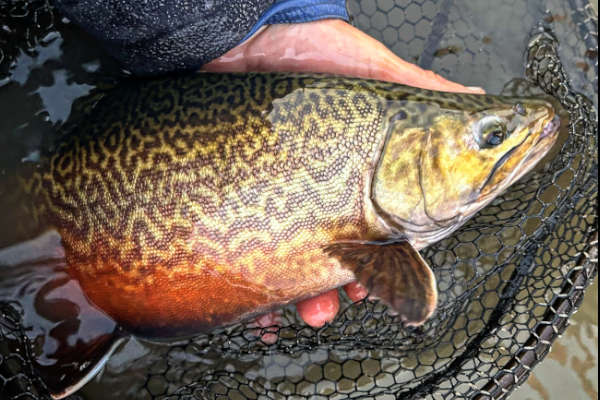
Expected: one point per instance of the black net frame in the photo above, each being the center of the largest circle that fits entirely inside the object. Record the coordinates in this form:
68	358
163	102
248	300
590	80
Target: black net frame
509	280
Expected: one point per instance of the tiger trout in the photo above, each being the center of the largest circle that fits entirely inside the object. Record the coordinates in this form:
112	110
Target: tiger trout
191	202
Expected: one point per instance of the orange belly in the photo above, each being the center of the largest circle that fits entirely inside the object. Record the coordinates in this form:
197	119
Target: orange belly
186	299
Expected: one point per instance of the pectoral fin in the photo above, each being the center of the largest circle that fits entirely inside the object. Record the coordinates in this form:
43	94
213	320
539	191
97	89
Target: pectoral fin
394	272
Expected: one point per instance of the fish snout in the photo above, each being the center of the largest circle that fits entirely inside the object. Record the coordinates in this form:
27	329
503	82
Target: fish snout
551	127
544	121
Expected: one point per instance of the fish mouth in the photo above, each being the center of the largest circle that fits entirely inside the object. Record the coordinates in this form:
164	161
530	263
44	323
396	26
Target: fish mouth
539	149
551	128
548	136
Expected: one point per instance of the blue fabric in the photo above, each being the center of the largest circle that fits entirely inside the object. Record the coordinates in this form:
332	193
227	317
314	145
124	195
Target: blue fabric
294	11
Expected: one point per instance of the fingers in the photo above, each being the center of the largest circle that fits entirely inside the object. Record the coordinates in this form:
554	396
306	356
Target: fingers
320	309
327	46
323	308
268	323
355	291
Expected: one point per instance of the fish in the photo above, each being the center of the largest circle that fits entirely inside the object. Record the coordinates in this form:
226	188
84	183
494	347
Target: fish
190	202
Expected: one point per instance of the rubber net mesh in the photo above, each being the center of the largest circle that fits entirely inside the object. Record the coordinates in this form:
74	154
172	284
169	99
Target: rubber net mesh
508	281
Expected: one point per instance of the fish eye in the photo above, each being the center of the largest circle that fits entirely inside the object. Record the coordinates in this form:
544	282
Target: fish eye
490	132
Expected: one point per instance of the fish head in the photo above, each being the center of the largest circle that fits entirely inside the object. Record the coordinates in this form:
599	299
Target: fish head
439	169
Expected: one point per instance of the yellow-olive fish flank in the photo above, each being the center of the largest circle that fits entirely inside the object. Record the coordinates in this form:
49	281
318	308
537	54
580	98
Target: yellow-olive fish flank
190	202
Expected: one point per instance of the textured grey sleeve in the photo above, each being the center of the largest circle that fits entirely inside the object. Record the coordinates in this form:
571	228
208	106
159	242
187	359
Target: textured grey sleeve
159	36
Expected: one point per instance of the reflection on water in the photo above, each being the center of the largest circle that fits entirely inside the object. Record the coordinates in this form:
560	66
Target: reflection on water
67	333
570	371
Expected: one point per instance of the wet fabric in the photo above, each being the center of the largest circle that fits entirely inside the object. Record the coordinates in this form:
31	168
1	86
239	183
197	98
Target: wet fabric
157	37
295	11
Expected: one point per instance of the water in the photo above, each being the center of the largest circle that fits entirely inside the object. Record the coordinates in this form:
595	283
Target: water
38	95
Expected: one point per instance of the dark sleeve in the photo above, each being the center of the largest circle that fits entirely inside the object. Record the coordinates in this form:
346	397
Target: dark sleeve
159	36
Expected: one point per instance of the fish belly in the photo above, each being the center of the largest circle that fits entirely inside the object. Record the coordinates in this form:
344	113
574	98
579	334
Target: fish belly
189	298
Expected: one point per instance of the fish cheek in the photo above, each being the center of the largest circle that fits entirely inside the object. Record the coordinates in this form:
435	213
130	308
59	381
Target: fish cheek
448	175
396	182
502	173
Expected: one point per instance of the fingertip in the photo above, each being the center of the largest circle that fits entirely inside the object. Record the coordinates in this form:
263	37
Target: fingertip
413	75
355	291
320	309
438	82
476	89
268	323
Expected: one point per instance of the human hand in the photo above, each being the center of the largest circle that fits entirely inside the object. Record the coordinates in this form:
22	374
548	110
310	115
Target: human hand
335	47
